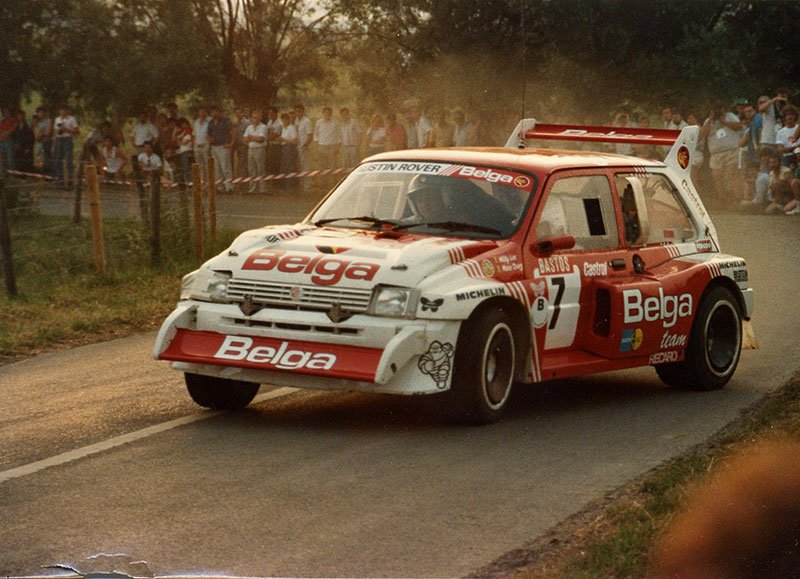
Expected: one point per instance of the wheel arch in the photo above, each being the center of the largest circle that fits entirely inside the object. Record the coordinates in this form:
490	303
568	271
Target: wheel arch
729	284
520	325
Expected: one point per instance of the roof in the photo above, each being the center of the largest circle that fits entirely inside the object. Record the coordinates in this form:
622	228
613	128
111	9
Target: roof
537	160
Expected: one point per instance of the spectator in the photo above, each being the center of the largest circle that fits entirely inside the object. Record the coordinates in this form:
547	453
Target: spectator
780	184
396	136
143	131
623	119
463	131
65	128
184	141
151	166
441	135
166	133
172	112
677	120
305	134
793	207
274	130
25	141
351	137
786	137
749	142
113	159
721	129
770	109
164	139
650	151
149	161
222	136
418	125
8	125
200	133
255	136
328	138
740	103
241	159
375	137
288	142
43	133
666	118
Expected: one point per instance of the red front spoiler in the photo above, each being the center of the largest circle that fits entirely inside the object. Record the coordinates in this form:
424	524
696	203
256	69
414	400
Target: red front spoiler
274	355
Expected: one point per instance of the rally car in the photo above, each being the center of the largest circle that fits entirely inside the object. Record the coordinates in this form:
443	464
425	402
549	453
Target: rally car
467	270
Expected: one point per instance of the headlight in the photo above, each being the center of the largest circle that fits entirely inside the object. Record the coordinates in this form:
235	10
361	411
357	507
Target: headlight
205	285
394	302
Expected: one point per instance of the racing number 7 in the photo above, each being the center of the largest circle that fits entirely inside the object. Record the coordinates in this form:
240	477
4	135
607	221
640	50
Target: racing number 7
561	284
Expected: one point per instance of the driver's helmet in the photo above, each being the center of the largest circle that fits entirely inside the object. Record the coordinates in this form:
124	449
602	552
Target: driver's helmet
426	196
426	185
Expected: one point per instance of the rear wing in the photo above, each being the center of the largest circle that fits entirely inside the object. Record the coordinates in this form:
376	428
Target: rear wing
682	143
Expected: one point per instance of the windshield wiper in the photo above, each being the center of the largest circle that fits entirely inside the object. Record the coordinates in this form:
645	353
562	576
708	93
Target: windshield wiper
451	226
365	218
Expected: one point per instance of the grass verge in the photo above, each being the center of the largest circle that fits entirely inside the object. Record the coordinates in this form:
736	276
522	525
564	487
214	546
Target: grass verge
62	302
616	536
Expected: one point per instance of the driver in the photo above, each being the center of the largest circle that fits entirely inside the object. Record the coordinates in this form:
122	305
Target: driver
426	195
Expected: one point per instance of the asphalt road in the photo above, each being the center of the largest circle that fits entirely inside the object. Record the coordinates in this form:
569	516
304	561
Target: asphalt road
341	484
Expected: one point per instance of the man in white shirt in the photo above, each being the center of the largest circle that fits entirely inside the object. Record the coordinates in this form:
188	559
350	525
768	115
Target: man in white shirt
464	131
255	136
201	147
327	136
350	138
305	134
770	109
288	140
418	125
786	138
65	128
143	131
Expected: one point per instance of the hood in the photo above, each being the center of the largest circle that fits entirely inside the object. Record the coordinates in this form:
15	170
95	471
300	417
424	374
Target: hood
307	255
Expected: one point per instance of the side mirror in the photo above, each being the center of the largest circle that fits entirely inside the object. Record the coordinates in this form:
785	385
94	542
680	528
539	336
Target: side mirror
551	244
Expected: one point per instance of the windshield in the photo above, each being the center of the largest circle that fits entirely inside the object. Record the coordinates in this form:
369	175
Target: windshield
429	197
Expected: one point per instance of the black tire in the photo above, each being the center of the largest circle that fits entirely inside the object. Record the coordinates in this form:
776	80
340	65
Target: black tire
220	393
715	345
485	367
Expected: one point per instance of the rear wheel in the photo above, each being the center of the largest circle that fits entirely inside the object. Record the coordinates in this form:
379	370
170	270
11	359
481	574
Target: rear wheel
220	393
715	345
485	363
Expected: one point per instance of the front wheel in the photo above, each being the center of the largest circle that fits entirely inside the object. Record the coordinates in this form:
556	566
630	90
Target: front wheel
220	393
485	363
715	345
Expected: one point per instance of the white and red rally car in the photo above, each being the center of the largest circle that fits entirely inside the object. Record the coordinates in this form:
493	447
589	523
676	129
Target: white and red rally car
467	270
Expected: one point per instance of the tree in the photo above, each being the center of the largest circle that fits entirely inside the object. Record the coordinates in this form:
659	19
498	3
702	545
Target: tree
267	45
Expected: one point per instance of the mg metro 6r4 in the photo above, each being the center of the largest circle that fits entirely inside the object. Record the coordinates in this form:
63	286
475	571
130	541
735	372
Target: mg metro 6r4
467	270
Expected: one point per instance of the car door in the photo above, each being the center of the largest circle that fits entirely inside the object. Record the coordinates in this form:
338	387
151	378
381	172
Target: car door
567	315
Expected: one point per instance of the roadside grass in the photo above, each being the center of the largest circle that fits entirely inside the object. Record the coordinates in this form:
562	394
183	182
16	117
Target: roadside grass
63	302
620	538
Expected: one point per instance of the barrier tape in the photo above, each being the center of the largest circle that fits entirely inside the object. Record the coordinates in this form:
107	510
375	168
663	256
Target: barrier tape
234	181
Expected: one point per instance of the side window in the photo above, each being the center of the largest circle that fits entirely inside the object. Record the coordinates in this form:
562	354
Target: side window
581	207
653	210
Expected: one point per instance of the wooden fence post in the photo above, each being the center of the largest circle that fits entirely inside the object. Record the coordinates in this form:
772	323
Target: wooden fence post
212	200
5	242
97	219
197	191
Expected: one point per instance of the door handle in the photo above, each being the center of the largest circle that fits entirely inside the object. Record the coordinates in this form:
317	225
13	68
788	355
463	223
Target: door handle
618	264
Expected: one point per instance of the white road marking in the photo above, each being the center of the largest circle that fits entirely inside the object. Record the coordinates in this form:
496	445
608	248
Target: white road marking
97	447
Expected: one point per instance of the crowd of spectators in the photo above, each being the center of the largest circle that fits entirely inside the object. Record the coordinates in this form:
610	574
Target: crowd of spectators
749	148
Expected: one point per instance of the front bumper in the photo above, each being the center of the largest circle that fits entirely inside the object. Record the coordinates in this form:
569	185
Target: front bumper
305	349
